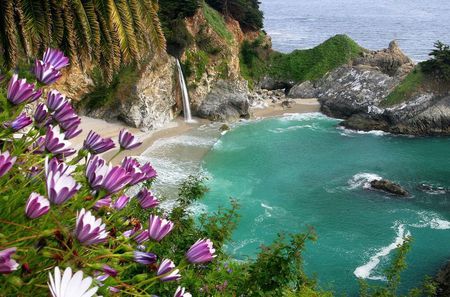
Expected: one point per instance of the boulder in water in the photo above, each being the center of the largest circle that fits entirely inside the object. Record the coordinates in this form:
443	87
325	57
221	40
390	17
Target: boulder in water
388	186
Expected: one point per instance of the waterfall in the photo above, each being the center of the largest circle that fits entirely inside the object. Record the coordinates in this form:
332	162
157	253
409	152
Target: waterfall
184	94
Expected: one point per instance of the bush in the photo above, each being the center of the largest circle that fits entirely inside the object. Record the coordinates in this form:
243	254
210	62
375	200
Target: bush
439	65
246	12
191	190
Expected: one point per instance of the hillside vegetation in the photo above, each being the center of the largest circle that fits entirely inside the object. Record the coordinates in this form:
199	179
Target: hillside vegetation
299	65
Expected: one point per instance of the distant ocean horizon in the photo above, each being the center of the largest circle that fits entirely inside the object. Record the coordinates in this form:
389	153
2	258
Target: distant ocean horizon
415	24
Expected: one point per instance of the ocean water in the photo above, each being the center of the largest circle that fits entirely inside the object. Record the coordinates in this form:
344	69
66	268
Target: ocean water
416	24
302	170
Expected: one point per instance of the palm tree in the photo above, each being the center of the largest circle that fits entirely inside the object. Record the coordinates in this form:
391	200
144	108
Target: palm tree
106	32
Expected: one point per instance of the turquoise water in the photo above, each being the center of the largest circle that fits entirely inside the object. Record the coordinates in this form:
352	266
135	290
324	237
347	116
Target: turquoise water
302	170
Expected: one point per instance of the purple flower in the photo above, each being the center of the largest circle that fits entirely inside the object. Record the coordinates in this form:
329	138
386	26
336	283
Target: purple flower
88	229
127	140
167	271
146	199
36	95
60	185
55	58
133	231
20	122
55	142
95	144
104	202
66	117
39	145
96	171
109	271
45	73
142	237
121	202
7	264
144	258
115	179
55	100
180	292
41	115
6	162
138	173
201	251
72	132
159	228
37	205
19	91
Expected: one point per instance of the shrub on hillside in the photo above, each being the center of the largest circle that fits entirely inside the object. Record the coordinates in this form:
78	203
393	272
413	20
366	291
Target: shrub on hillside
439	64
246	12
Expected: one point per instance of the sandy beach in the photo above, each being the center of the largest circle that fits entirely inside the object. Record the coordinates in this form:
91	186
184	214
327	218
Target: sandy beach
176	127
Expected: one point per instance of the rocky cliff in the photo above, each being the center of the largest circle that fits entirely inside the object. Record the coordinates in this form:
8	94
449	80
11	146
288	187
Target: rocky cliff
357	93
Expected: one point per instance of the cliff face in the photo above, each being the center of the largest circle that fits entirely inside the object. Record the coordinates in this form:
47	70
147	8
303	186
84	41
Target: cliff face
358	92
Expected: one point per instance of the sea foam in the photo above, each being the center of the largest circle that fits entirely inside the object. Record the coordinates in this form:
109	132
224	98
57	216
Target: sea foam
365	271
363	180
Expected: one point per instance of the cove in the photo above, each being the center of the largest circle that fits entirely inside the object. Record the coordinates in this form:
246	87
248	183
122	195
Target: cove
302	170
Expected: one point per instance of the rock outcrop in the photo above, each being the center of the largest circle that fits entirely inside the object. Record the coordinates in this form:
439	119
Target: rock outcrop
303	90
227	101
150	102
389	187
354	93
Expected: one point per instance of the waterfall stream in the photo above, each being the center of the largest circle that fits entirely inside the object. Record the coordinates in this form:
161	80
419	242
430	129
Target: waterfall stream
184	94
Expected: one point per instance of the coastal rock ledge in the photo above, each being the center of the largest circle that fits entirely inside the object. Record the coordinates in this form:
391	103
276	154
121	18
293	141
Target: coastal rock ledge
355	93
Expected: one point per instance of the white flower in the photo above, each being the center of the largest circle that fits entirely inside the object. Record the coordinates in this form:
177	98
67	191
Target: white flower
70	286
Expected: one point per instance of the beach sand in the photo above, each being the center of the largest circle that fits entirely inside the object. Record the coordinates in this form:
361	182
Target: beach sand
176	127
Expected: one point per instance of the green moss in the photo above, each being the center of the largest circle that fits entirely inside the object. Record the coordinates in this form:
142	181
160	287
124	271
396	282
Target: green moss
300	65
413	82
217	22
312	64
197	62
105	95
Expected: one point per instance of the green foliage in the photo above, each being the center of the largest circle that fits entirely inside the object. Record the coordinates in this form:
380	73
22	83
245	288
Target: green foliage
280	266
216	21
312	64
106	94
393	274
300	65
197	63
439	65
172	14
191	190
106	32
246	12
407	88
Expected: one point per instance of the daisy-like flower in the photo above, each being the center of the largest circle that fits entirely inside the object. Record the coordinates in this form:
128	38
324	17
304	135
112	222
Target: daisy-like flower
19	91
45	73
146	199
142	237
104	202
7	264
55	100
6	162
88	229
67	285
181	292
144	258
37	205
127	140
138	173
201	251
72	132
60	184
41	115
167	271
55	58
96	171
95	144
116	179
66	117
55	142
121	202
20	122
159	228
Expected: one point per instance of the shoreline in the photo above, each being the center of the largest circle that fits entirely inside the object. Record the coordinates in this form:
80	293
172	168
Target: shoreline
177	127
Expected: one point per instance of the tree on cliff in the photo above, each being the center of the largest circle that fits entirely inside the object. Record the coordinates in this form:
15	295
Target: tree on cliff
246	12
439	64
108	32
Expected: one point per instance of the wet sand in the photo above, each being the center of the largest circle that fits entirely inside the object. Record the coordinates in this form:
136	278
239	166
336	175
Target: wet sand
177	127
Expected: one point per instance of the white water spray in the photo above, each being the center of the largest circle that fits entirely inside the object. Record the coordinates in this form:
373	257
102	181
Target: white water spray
184	94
